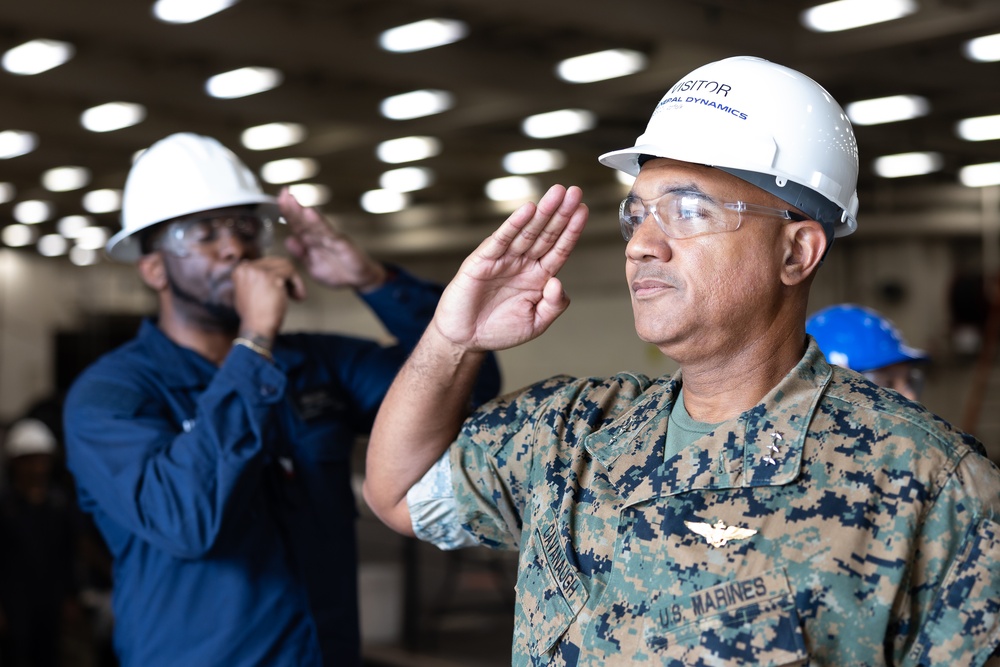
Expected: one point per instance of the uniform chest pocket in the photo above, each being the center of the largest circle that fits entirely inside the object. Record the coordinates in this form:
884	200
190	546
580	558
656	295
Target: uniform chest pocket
751	621
550	592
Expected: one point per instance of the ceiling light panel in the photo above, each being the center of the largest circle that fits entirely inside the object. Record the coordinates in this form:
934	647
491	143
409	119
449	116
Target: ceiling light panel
980	175
850	14
112	116
289	170
7	192
511	188
310	194
65	179
17	236
273	135
83	256
16	142
70	226
534	161
887	109
422	35
558	123
406	179
416	104
93	238
907	164
601	65
33	211
37	56
983	128
983	49
407	149
52	245
188	11
384	201
243	82
106	200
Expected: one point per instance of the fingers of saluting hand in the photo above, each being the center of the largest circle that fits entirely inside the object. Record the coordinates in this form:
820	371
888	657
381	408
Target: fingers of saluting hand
303	221
534	231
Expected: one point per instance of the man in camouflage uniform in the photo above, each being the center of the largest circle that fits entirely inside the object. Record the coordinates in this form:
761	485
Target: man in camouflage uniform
759	507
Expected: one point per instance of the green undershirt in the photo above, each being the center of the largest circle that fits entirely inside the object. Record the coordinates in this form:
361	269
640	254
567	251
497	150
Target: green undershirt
682	429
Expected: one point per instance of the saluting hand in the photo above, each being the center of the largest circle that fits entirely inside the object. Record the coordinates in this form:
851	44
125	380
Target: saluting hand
506	292
331	257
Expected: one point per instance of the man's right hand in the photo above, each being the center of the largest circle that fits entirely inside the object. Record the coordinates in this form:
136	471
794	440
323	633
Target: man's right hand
506	292
261	290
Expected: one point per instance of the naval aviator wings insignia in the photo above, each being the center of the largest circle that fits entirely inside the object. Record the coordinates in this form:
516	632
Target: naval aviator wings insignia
720	534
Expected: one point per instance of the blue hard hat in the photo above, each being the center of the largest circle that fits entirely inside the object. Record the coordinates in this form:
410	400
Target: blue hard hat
859	338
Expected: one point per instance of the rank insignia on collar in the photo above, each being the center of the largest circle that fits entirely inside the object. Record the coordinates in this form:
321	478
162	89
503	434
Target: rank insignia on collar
720	534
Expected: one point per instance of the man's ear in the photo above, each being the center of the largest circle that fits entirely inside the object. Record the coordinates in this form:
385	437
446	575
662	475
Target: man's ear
804	247
153	271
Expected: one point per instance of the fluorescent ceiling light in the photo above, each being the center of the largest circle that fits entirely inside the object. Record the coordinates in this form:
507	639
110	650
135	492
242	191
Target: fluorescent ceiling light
887	109
983	128
416	104
112	116
907	164
188	11
983	49
83	256
102	201
289	170
310	194
273	135
422	35
406	179
7	192
848	14
980	175
65	179
384	201
242	82
407	149
70	226
601	65
93	238
37	56
17	236
33	211
510	188
52	245
533	161
558	123
16	142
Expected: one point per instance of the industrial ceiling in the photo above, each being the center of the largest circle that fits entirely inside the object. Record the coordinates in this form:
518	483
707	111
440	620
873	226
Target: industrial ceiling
335	75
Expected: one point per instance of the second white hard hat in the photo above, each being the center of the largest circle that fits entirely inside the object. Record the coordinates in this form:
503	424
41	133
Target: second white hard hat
764	123
181	174
29	436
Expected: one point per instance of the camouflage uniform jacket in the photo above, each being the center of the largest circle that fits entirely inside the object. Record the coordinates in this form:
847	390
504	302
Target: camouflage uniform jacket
868	534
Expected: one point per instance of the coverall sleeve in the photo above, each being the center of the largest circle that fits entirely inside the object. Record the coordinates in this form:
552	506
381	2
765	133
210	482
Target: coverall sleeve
170	484
405	306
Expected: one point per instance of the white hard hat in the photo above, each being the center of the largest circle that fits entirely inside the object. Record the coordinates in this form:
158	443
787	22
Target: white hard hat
764	123
29	436
182	174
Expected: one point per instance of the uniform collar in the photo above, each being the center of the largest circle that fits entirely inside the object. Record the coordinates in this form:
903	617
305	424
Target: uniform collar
738	453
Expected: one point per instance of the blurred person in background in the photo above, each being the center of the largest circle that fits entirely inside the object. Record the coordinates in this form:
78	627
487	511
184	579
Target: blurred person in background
214	451
861	339
38	535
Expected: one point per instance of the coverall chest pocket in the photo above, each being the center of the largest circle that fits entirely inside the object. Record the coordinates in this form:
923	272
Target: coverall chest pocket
751	621
550	592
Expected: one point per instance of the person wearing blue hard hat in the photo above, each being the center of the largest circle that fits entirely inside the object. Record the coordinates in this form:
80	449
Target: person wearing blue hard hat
862	340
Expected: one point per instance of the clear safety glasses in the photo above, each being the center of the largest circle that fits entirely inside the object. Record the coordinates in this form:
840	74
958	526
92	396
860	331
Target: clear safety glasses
681	215
185	236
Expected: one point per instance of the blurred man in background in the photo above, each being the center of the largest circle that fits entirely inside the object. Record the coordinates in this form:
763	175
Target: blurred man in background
862	340
213	451
38	535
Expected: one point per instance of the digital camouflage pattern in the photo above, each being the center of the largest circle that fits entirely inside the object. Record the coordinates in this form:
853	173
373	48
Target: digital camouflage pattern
877	538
